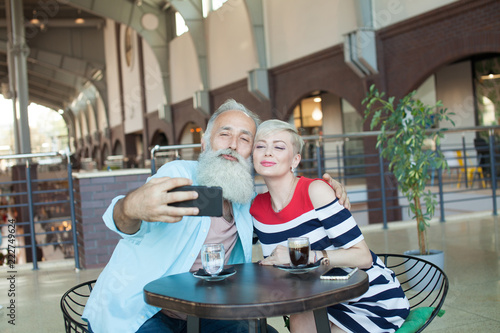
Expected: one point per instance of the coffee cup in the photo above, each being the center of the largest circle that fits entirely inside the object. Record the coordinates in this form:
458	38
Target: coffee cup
298	249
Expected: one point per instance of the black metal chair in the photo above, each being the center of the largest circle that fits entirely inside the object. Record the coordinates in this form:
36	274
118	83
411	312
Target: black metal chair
72	304
424	283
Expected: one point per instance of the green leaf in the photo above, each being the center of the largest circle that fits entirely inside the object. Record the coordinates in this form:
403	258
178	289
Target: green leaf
421	226
404	128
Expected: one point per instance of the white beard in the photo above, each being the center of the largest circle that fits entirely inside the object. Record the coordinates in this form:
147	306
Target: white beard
235	178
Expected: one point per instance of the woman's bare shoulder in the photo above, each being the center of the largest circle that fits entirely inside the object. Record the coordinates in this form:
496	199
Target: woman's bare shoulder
320	193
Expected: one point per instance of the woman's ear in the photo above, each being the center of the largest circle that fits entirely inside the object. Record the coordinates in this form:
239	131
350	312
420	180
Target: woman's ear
296	161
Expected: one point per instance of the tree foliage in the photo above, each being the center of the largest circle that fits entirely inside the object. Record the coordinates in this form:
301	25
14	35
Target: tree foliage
404	131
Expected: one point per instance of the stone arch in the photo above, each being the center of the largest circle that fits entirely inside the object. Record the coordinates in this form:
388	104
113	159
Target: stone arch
104	152
96	157
117	148
288	110
325	71
190	127
159	138
431	59
191	133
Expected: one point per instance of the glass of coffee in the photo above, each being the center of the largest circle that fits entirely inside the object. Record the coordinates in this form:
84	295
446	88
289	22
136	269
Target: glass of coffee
298	248
212	258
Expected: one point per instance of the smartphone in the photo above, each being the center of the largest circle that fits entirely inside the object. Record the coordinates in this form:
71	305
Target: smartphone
339	273
209	199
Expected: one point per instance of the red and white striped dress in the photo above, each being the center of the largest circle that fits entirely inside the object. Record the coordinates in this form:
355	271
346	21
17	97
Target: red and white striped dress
384	307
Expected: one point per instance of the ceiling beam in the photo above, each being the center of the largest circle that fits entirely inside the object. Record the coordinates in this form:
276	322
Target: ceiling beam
49	98
128	13
62	23
47	90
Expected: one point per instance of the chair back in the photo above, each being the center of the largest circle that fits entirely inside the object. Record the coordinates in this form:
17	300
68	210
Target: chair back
72	304
424	283
470	161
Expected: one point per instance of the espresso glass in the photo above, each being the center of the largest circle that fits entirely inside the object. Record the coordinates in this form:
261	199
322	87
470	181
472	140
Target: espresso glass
298	249
212	258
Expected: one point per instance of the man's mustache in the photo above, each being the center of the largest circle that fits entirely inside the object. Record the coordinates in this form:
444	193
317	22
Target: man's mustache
229	152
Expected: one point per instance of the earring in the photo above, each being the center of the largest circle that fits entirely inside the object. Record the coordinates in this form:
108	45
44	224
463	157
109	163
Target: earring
292	169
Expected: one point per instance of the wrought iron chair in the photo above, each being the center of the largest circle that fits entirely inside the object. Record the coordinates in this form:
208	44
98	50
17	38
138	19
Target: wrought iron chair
72	304
424	284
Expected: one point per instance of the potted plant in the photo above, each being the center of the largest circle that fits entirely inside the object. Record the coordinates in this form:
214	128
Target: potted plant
404	132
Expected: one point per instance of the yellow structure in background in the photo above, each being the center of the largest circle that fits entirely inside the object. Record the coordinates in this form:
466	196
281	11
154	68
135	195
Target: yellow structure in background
470	172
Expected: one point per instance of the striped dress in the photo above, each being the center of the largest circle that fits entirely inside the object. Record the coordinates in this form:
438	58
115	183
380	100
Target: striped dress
384	307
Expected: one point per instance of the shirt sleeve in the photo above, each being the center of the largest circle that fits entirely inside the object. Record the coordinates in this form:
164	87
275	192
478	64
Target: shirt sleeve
339	225
171	169
110	223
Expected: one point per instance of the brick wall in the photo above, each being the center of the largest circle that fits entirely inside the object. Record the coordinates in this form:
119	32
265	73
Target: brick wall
414	49
93	194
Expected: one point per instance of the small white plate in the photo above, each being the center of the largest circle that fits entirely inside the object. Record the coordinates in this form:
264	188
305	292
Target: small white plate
219	277
295	270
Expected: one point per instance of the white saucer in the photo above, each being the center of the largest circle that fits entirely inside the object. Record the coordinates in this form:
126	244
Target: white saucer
219	277
297	270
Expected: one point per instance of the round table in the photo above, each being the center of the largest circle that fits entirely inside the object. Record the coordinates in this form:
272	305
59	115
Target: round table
255	292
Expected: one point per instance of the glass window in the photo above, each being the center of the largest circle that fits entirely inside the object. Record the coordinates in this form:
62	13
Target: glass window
211	5
180	24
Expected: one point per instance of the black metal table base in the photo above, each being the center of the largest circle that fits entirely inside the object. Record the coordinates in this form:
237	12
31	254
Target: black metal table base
193	325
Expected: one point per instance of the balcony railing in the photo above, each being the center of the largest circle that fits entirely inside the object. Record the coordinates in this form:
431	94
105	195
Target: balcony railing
37	189
37	205
469	185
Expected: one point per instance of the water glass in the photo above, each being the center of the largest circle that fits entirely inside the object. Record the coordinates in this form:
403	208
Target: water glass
212	258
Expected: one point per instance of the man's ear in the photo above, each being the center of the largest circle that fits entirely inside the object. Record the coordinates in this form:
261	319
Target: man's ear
203	143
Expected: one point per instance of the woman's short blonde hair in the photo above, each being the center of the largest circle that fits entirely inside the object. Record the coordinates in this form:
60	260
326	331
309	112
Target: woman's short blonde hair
273	126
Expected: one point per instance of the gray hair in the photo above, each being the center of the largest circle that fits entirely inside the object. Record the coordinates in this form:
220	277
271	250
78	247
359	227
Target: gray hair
273	126
228	105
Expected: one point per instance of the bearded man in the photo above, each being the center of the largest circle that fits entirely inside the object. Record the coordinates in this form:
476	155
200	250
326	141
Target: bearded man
159	239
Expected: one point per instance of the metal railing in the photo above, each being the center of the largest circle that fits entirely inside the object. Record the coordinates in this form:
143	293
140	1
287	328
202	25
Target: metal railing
371	188
37	197
169	153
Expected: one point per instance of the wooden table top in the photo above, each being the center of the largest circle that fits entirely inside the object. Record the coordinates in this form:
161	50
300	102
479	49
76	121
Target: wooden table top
254	292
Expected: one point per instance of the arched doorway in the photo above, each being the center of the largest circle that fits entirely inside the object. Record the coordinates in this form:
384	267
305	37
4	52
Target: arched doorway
321	114
118	148
487	89
104	152
191	134
159	138
96	158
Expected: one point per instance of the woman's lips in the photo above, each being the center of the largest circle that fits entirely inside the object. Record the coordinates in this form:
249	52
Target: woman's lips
267	163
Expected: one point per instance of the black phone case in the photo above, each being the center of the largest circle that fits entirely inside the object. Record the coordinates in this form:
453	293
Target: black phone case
209	199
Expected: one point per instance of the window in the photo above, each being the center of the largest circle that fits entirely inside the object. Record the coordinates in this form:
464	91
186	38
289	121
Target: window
211	5
180	24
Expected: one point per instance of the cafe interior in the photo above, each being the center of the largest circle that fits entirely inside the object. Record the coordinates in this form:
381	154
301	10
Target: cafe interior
130	75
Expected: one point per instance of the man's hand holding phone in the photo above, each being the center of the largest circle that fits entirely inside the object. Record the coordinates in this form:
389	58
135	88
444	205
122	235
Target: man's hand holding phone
164	200
209	200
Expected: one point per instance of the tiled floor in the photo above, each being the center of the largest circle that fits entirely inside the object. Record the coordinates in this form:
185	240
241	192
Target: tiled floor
472	262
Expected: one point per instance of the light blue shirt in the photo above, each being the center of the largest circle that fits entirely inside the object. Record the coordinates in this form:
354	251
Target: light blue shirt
116	303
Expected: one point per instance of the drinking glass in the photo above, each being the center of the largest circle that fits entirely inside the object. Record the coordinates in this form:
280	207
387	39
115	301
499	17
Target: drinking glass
212	258
298	248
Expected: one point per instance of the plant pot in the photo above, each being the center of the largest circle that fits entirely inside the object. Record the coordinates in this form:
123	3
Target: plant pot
420	279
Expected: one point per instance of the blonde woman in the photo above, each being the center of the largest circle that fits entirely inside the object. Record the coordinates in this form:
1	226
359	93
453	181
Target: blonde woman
298	206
